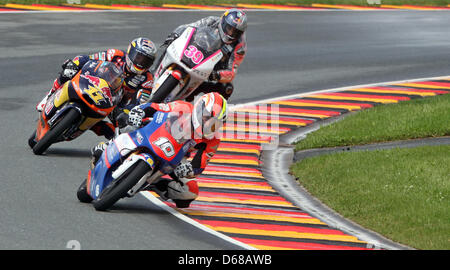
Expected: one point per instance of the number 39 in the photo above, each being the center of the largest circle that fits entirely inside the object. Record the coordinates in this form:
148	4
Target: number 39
194	54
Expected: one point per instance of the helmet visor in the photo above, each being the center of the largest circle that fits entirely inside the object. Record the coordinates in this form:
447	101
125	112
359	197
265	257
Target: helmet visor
112	74
140	60
231	32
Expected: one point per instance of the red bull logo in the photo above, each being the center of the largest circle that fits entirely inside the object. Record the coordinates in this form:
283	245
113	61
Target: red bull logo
107	93
238	18
93	80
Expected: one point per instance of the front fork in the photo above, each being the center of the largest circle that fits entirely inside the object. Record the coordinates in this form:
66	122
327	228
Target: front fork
147	179
180	79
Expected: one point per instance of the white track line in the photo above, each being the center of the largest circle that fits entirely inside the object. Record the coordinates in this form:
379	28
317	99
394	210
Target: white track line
177	214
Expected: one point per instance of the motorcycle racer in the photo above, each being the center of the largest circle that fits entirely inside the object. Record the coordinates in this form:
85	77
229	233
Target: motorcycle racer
231	27
199	121
137	83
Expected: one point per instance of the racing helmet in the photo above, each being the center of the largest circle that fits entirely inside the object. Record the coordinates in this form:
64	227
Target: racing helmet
208	115
140	55
232	25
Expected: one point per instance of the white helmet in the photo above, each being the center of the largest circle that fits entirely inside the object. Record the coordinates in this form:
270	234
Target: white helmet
208	115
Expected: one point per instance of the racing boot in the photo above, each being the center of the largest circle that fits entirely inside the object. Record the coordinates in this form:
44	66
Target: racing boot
56	85
182	191
160	186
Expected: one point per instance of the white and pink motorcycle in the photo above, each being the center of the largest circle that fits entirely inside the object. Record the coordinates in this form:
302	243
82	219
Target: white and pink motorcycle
187	63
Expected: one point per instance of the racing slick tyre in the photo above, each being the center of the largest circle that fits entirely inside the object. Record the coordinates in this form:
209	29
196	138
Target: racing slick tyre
164	90
53	134
82	194
31	140
119	188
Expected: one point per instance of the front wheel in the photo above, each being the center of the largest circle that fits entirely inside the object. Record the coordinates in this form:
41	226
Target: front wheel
32	140
164	90
56	131
82	194
119	187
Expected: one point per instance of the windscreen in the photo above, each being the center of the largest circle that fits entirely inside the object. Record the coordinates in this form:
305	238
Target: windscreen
207	39
108	71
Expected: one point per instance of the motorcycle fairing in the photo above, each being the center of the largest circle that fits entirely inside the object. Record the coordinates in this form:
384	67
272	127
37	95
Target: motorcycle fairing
88	94
135	142
102	174
94	92
183	53
211	56
54	109
194	54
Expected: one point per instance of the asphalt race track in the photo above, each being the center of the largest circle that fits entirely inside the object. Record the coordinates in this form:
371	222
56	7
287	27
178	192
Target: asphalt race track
288	53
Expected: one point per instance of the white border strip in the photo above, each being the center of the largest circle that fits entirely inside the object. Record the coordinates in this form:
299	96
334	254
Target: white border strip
183	217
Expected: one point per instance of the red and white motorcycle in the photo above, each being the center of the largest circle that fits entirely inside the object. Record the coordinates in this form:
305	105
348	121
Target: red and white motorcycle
188	62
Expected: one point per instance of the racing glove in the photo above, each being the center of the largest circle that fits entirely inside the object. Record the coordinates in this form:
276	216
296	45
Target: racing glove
69	69
184	170
97	151
170	38
135	116
227	91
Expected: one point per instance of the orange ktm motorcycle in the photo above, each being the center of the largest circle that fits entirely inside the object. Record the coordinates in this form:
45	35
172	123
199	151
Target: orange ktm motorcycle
78	105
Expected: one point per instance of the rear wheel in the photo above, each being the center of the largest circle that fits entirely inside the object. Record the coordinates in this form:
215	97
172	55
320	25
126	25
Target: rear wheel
53	134
118	188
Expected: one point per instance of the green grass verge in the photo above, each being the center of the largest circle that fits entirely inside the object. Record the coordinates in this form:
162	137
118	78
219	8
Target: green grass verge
418	118
233	2
403	194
